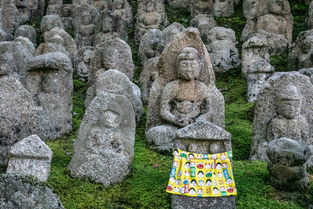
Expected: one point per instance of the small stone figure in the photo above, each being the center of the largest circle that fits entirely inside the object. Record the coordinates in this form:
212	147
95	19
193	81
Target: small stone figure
26	31
54	7
150	15
283	109
50	83
287	167
85	25
223	8
222	49
49	22
104	148
30	156
273	19
204	23
254	49
148	75
83	62
257	74
108	31
201	7
178	3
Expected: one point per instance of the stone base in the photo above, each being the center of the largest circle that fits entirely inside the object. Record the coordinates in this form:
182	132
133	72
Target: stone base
185	202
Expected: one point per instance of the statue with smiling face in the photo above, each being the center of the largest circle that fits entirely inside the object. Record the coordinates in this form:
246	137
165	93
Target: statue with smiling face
184	100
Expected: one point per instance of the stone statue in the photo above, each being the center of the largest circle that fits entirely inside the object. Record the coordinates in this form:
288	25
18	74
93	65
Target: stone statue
104	148
86	25
49	80
271	18
83	62
150	15
108	31
186	111
54	7
287	167
184	91
283	109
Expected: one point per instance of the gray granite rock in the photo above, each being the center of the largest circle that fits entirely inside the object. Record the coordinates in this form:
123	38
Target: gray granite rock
283	109
50	82
104	148
20	192
115	82
17	114
26	31
287	168
113	54
162	138
30	156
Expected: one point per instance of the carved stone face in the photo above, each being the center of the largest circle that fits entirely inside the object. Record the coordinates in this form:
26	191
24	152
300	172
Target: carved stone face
118	4
150	7
55	39
289	109
86	18
188	69
188	65
107	25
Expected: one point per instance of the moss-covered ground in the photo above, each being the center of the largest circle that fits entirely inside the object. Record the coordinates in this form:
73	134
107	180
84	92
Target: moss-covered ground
145	187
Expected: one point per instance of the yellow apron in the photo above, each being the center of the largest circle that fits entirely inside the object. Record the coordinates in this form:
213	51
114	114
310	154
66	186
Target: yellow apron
201	175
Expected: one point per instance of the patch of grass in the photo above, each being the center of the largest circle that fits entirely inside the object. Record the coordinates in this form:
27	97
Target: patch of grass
181	15
280	62
79	96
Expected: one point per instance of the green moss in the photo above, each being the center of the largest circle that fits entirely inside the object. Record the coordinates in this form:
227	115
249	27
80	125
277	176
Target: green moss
79	96
300	12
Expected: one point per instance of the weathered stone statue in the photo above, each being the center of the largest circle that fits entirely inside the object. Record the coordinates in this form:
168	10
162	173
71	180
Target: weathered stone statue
148	75
186	111
26	43
257	74
14	13
222	49
184	92
254	49
109	31
67	16
86	22
17	113
113	54
114	82
271	18
49	22
301	51
287	167
58	40
54	7
50	83
121	11
178	3
83	62
104	148
150	15
26	31
201	7
283	109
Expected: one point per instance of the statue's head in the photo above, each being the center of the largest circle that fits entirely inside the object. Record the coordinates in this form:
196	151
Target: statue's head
107	24
188	65
54	38
289	102
118	4
86	18
151	6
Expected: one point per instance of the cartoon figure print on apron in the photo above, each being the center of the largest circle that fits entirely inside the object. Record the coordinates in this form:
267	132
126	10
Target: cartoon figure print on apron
201	175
